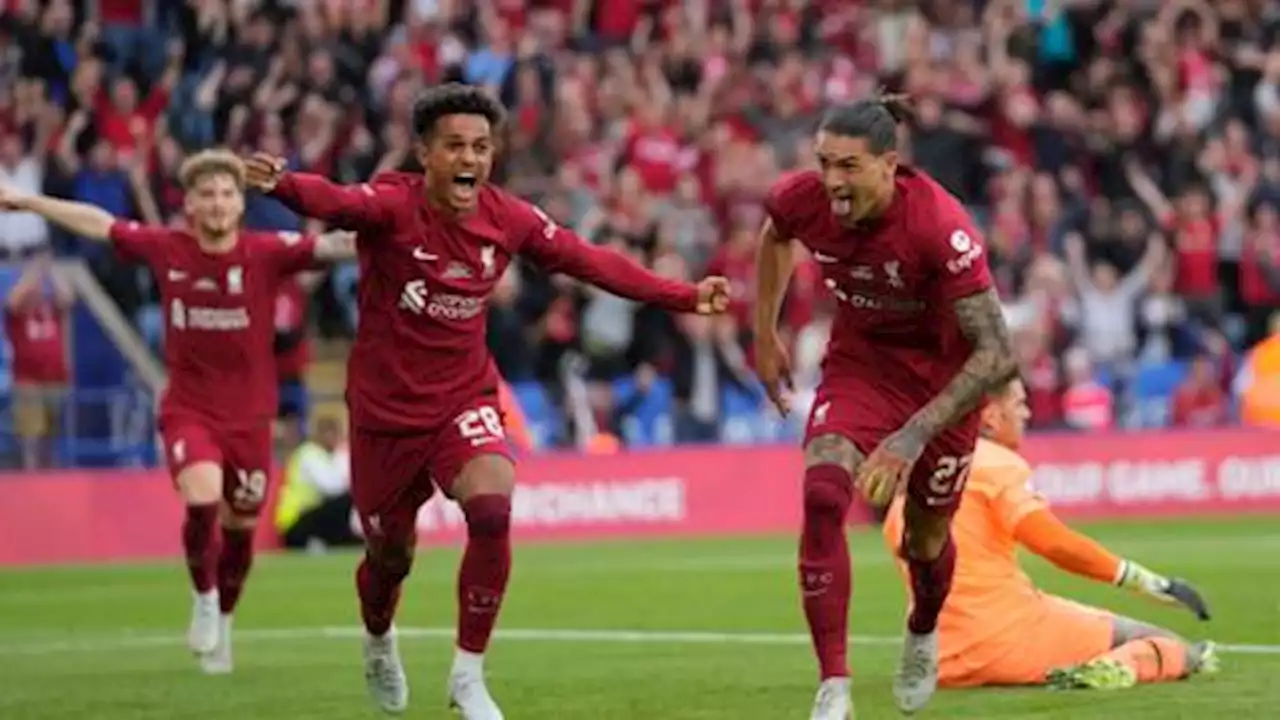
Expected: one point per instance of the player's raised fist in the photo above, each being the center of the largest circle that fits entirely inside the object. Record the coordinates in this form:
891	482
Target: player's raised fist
773	367
10	199
263	171
713	295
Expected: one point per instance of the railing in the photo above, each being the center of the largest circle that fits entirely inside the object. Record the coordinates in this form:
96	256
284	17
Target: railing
43	428
116	427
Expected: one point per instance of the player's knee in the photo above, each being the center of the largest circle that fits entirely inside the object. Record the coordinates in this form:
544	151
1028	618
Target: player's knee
828	492
484	475
488	516
200	483
393	559
235	520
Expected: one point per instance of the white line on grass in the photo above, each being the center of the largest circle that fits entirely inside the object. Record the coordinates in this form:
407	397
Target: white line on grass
661	637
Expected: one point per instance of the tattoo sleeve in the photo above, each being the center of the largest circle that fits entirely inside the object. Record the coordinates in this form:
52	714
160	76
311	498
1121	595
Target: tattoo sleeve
990	365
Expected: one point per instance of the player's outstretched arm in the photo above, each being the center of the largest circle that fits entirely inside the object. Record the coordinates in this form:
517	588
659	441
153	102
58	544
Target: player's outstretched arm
335	246
558	250
352	207
77	218
1042	533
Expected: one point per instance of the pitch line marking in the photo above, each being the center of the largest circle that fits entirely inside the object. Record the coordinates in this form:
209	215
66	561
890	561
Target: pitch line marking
658	637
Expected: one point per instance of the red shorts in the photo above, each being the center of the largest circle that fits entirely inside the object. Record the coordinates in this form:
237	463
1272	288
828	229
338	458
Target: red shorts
939	475
394	474
244	454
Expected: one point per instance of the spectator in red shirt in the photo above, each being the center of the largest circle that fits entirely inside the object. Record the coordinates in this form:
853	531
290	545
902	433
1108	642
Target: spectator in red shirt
1195	228
1086	404
1040	373
653	150
1200	401
736	260
1260	270
121	119
35	323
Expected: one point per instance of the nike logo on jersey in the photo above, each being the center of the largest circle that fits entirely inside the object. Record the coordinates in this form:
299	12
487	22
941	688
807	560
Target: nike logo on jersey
825	259
424	256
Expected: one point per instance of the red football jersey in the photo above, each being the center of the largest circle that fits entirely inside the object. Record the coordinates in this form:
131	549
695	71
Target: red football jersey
37	333
895	342
219	318
425	281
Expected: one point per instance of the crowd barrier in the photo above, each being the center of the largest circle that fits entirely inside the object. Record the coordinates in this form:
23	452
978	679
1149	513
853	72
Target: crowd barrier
76	516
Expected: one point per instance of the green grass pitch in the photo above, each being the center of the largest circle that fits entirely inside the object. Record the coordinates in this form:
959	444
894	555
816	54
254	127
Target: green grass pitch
715	632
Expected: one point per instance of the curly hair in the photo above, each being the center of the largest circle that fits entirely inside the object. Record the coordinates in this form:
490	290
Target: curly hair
454	99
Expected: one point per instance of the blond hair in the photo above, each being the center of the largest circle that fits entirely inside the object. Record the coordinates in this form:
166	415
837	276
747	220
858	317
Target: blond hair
211	162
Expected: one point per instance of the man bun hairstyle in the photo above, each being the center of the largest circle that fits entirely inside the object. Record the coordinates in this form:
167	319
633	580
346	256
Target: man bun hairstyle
454	99
876	119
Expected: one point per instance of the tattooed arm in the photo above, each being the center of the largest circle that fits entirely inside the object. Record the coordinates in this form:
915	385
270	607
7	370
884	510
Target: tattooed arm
990	366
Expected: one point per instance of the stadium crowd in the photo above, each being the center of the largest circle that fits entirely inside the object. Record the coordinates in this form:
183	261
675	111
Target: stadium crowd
1123	158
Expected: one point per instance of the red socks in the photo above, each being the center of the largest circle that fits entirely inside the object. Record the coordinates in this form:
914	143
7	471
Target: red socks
378	580
486	565
200	542
233	566
930	585
825	570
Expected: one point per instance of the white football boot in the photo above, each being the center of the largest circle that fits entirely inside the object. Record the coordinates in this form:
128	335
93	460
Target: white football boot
834	700
218	662
468	694
917	675
202	635
384	672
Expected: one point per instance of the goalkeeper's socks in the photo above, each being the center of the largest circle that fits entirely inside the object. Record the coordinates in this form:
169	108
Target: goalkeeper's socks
1153	660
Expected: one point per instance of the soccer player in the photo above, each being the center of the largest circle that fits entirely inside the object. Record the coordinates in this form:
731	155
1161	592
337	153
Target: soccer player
997	628
218	284
423	391
918	340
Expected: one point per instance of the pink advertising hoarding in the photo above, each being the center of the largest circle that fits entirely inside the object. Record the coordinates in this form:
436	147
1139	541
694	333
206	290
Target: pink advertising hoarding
128	514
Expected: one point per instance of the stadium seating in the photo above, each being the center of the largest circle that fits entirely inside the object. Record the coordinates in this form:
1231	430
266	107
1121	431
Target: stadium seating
1151	391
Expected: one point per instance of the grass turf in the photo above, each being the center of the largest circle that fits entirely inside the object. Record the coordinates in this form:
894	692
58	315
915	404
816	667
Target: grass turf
105	642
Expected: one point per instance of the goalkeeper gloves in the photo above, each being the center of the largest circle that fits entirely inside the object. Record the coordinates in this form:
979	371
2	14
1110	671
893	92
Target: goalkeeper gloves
1136	578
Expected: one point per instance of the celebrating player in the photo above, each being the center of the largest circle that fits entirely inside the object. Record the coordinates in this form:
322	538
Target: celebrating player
218	285
422	388
918	340
999	629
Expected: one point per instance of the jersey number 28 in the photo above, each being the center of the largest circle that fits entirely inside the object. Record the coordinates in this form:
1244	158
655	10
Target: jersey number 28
481	425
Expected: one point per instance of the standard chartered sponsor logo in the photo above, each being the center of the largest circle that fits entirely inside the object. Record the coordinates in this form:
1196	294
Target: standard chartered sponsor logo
454	307
417	299
186	317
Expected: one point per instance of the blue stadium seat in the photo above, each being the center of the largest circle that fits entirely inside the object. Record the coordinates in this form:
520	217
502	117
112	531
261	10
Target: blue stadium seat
150	321
651	423
9	275
541	414
1152	389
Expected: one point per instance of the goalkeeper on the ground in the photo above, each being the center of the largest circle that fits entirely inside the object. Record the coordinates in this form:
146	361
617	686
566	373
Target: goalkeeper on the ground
997	628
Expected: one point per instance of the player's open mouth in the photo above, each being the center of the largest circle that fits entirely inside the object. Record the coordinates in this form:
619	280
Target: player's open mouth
464	187
841	206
